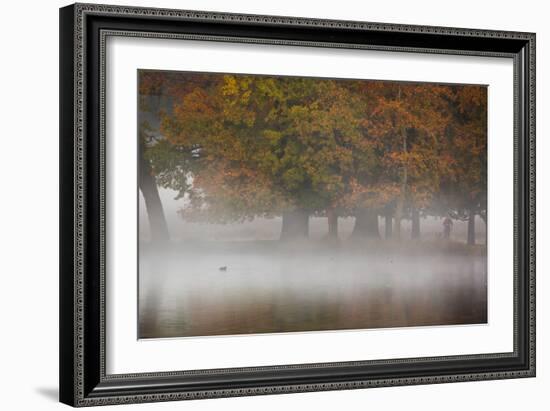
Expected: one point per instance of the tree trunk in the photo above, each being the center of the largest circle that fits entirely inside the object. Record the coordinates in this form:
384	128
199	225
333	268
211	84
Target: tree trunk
483	216
415	233
148	186
387	224
401	200
295	225
404	176
366	224
472	227
332	224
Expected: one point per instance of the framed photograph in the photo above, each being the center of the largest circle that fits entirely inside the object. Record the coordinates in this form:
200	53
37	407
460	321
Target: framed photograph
260	205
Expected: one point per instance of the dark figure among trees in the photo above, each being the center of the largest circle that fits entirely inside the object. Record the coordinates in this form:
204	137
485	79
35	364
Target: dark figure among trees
447	227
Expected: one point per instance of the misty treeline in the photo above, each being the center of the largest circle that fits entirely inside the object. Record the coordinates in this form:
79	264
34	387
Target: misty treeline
244	146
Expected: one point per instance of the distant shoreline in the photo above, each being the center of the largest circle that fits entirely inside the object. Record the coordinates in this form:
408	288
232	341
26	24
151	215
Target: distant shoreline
351	246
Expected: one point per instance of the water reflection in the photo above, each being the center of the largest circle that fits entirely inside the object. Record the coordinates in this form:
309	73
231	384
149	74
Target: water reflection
271	288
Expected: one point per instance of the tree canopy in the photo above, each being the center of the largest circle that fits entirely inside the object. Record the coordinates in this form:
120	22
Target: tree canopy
243	146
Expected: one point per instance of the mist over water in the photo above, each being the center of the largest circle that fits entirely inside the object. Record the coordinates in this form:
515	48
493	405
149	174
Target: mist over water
234	280
270	228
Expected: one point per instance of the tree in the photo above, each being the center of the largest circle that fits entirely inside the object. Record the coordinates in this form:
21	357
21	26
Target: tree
161	163
403	121
465	187
273	137
149	106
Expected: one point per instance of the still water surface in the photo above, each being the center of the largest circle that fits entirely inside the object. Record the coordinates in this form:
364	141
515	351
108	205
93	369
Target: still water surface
219	290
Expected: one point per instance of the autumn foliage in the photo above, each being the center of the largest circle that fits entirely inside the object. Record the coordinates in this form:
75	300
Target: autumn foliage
242	146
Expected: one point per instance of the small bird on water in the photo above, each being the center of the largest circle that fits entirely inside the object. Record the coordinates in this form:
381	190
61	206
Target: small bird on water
224	268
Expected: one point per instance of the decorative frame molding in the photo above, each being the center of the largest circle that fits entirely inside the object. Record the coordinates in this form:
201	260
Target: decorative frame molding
83	32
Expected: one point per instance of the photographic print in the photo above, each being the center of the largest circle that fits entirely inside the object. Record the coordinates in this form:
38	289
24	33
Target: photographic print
277	204
260	204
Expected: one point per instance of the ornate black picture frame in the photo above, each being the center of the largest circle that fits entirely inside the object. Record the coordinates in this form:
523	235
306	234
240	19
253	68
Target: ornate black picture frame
83	30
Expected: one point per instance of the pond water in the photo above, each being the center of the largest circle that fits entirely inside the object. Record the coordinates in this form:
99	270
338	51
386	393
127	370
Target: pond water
242	288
